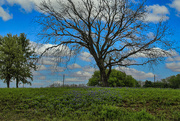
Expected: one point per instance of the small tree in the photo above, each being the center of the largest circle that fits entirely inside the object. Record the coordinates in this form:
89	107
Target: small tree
26	63
16	59
8	53
113	31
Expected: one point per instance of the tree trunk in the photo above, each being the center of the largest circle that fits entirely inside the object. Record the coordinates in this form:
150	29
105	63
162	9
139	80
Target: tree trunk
8	83
104	78
8	79
17	81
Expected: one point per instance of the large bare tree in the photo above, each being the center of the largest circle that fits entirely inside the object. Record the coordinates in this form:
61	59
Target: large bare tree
113	31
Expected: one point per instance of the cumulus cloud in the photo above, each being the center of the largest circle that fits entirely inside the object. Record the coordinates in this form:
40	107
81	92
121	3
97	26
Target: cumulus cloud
58	82
61	50
177	58
47	61
74	66
89	69
41	67
85	56
175	4
78	76
27	5
48	81
175	66
38	84
54	55
42	78
158	52
157	13
5	15
56	69
35	73
74	80
135	73
82	74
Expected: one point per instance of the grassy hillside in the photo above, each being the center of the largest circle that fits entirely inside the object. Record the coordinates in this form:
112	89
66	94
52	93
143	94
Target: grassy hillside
64	104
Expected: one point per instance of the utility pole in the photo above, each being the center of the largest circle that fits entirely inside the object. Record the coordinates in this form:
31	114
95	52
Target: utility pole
63	79
154	80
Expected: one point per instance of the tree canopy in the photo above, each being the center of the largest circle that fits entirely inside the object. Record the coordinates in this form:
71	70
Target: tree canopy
116	79
172	81
114	32
16	59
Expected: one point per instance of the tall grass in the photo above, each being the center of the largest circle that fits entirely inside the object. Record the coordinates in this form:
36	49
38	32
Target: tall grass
70	103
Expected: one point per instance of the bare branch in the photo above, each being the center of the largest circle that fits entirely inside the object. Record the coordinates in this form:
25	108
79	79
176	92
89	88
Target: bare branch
113	31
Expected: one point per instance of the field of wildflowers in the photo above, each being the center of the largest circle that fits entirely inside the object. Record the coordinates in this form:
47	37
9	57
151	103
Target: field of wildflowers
68	103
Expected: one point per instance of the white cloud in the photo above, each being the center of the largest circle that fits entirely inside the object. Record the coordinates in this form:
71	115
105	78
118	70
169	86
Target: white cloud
27	5
135	73
35	73
5	15
42	78
157	52
82	74
56	69
157	9
37	84
175	66
61	50
89	69
58	82
41	67
74	66
85	56
48	81
156	13
47	61
174	59
73	80
175	4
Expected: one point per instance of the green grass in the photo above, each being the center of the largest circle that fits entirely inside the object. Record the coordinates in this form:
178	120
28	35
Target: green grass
97	104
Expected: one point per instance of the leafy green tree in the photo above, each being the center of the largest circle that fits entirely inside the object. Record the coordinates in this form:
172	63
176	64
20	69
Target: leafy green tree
148	84
160	84
130	81
138	83
174	81
16	59
116	79
8	52
95	80
25	64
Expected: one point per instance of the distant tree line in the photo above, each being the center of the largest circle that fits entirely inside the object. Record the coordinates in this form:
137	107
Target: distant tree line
120	79
169	82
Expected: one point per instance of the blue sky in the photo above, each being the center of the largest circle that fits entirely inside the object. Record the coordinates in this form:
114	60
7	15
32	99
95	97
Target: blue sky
16	16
